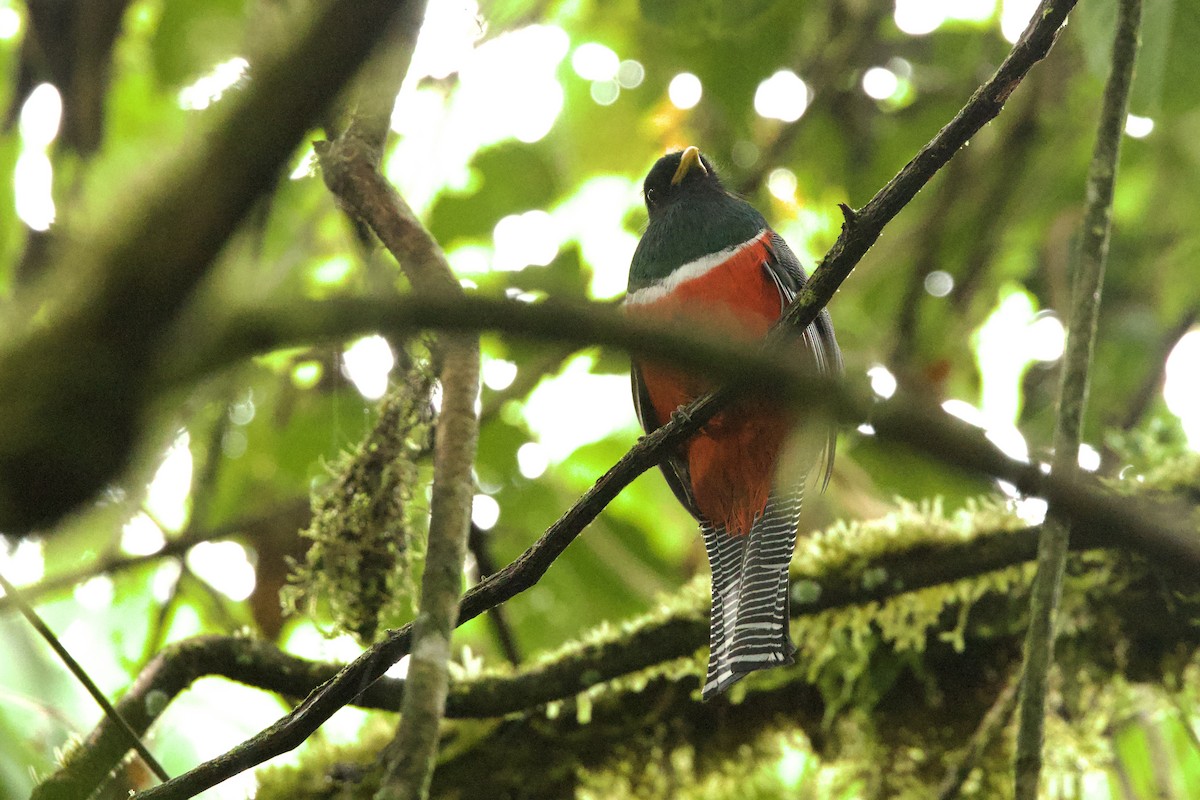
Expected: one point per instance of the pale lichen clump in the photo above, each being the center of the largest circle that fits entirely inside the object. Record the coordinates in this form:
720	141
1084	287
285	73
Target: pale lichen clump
836	647
854	545
367	530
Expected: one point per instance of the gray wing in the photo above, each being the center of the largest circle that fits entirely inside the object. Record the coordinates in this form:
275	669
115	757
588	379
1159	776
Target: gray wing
789	277
674	468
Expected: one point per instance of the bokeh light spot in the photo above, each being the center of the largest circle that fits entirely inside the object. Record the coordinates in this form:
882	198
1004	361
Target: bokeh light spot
595	62
918	17
531	460
1138	127
939	283
167	494
630	74
10	23
1182	388
1015	17
140	536
367	364
883	382
783	96
224	566
498	374
485	511
211	87
41	115
685	90
880	83
606	92
521	240
781	183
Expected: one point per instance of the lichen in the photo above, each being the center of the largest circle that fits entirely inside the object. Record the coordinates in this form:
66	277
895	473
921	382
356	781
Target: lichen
366	530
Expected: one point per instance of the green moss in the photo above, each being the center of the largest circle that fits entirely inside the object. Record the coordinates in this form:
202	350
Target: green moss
366	531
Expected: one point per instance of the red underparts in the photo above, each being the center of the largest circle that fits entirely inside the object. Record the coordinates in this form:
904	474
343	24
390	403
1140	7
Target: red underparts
732	460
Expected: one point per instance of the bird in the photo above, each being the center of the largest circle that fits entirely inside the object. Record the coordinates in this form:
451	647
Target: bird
708	259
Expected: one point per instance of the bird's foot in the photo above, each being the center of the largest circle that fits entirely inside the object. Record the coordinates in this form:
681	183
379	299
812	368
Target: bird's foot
680	416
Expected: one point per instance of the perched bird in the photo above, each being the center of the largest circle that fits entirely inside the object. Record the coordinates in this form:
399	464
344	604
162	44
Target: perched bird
709	260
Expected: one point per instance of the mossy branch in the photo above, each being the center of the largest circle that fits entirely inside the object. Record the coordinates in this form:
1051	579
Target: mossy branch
1077	361
932	552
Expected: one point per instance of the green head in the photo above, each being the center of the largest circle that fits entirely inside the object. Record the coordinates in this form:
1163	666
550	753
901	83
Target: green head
691	215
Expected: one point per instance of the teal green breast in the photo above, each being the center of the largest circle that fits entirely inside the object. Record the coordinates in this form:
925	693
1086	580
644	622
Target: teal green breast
690	230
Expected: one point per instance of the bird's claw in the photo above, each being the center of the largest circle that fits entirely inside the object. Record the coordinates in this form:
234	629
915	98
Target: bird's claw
681	417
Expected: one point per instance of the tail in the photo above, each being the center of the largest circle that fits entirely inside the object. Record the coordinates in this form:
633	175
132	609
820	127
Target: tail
749	628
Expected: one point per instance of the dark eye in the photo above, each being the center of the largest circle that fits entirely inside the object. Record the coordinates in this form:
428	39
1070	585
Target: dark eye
650	200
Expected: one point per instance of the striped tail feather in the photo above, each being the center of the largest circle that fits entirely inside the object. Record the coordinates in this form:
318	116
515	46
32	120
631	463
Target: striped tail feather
749	627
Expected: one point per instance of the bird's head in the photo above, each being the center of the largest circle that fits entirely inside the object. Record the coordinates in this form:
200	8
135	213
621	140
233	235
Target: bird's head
677	176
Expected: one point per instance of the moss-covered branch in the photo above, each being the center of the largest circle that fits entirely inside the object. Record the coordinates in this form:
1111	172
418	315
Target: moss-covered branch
914	674
847	566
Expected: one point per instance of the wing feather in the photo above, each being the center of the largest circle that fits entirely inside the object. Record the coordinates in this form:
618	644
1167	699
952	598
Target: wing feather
674	468
789	278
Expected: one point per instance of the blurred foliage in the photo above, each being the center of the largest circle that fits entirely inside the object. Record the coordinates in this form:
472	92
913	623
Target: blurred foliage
558	216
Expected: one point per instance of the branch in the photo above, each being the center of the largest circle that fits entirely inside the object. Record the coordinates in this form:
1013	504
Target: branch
112	564
857	236
262	665
990	727
131	739
350	167
1077	362
920	565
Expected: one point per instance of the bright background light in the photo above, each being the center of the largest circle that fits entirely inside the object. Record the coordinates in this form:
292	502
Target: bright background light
599	404
33	176
1182	388
880	83
595	62
367	364
783	96
685	90
1138	127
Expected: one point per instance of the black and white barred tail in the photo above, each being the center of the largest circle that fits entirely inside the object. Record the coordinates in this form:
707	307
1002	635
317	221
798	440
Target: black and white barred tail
749	627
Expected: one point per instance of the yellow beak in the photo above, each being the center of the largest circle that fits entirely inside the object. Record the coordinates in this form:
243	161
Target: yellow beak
690	159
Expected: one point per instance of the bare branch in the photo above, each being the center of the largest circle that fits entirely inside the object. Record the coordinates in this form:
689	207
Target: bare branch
1077	362
110	713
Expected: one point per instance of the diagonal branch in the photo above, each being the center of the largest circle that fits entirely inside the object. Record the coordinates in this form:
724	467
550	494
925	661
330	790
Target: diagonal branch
255	663
111	714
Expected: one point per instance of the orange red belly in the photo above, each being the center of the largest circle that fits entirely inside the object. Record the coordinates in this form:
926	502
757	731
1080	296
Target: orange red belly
732	460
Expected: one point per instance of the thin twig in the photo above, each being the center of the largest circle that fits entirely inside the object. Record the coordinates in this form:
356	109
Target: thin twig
993	722
477	543
1081	336
81	675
